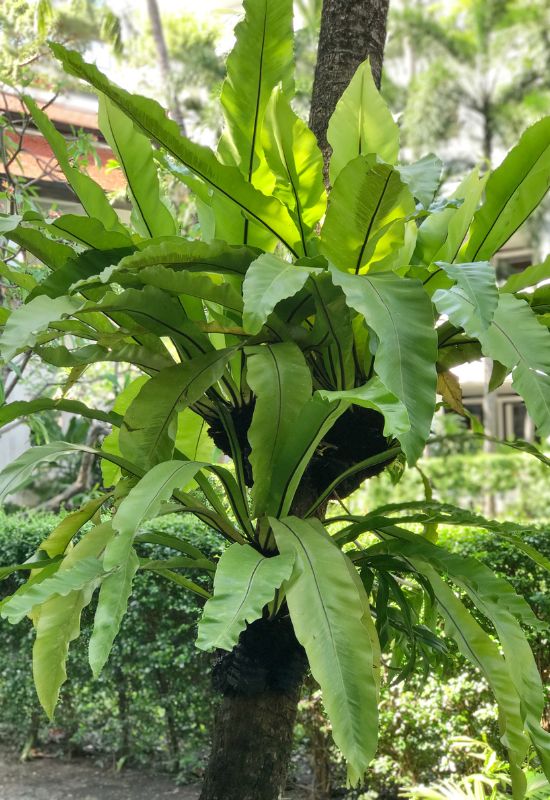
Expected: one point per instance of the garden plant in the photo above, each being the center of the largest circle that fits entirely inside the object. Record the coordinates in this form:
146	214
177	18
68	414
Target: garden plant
306	335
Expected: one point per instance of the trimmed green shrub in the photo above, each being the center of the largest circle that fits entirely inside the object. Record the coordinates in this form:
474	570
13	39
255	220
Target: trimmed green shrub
518	481
152	703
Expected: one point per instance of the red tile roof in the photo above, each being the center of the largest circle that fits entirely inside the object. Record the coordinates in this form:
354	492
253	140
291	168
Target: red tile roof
36	159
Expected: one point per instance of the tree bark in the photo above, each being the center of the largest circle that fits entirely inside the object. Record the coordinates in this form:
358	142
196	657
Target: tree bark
251	747
351	31
260	681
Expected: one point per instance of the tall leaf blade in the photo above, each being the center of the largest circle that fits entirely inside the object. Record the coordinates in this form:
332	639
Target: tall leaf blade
280	378
90	194
262	57
134	153
17	472
361	124
513	192
62	583
441	235
399	312
315	418
293	155
374	394
27	321
477	646
148	430
366	199
227	181
422	177
57	622
327	614
142	503
245	581
111	607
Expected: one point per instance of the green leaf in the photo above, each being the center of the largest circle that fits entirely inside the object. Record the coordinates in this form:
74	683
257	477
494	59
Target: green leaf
175	543
280	378
40	564
143	502
90	194
293	155
9	222
440	235
374	394
134	153
17	277
151	118
399	312
24	408
534	387
496	599
513	191
516	340
58	540
15	474
184	582
184	282
78	269
191	256
57	626
148	430
333	327
422	177
477	282
57	622
27	321
86	231
269	280
109	471
192	437
366	199
327	612
427	512
62	583
530	276
316	417
111	607
361	124
261	58
54	254
244	583
478	647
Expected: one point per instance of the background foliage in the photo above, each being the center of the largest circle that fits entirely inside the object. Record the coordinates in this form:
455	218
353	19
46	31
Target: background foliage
130	712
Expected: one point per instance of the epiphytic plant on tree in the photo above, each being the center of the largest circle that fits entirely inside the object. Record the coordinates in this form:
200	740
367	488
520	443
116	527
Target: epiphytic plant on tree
307	342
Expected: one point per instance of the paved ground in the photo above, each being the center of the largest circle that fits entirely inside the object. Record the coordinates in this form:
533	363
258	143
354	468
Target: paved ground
79	779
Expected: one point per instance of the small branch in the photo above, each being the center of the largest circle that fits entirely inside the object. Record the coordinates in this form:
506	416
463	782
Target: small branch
16	378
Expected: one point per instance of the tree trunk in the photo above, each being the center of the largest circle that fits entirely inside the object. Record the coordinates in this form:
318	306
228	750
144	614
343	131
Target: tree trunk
351	31
164	63
260	681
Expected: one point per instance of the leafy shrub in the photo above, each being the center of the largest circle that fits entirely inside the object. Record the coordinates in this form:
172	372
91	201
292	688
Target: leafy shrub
517	480
152	703
420	719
